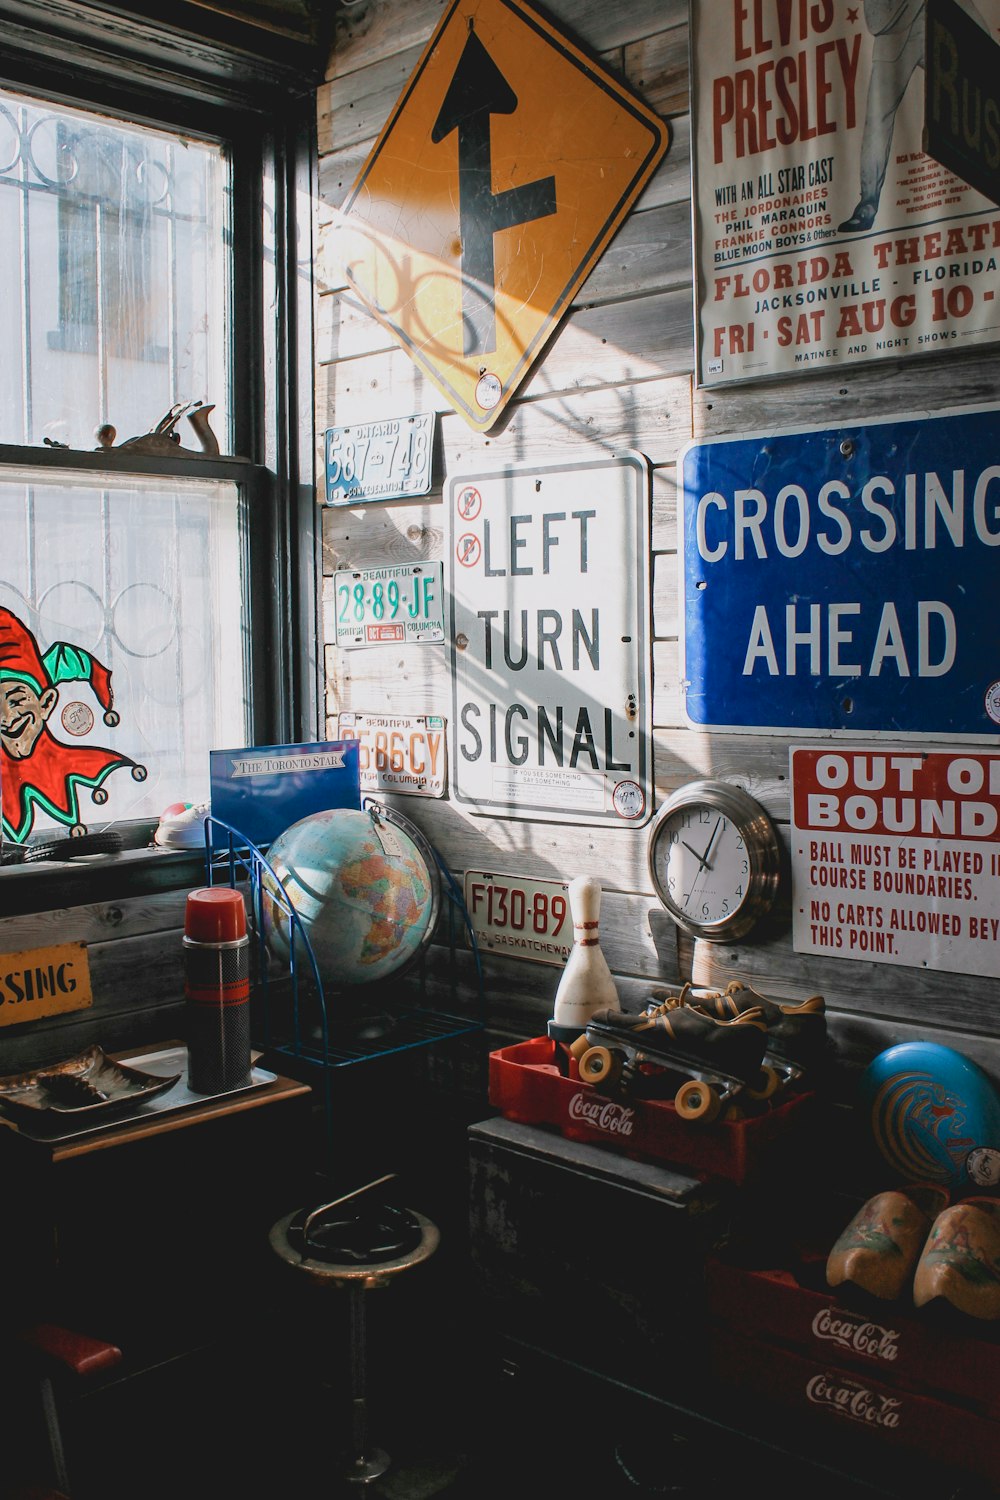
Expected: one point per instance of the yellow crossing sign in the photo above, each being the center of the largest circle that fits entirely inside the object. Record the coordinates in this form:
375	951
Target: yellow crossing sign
503	172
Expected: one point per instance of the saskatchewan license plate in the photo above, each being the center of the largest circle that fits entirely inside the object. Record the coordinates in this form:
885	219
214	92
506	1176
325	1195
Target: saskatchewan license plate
389	606
520	918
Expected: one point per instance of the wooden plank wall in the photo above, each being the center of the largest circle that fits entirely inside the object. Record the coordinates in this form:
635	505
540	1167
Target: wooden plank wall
135	958
618	371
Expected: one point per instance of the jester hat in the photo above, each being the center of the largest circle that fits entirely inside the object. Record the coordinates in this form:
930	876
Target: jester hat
21	661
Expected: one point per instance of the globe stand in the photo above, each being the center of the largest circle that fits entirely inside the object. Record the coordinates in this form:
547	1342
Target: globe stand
291	1017
371	1028
360	1025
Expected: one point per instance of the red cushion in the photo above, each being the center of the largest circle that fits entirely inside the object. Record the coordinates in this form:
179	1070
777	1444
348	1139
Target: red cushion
76	1352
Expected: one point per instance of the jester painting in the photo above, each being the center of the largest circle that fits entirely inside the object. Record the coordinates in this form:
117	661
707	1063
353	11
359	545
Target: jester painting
37	771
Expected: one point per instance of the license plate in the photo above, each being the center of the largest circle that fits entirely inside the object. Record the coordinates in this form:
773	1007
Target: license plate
520	918
379	460
389	606
397	753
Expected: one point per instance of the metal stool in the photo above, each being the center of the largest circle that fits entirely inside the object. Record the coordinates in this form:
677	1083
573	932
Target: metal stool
61	1358
344	1244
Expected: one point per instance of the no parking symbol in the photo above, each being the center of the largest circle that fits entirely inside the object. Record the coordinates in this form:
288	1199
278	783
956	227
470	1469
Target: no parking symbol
469	503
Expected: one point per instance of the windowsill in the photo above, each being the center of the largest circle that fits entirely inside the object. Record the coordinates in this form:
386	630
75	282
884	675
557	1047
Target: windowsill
187	461
51	885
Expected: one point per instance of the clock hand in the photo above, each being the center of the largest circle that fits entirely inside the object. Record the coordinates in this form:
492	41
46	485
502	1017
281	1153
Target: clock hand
703	860
704	863
715	830
699	857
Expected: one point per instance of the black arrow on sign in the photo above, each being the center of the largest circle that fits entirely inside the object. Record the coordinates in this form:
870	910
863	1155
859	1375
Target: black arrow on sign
477	91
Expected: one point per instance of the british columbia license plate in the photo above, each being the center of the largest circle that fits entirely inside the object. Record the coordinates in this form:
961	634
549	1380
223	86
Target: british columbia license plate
389	606
520	918
398	753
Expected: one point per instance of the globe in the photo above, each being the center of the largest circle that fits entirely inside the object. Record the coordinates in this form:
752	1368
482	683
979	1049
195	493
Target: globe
363	889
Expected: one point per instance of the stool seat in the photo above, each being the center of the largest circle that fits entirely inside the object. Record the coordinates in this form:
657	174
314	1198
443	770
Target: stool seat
352	1273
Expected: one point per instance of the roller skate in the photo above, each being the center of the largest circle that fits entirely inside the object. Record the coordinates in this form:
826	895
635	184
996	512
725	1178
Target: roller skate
625	1054
796	1034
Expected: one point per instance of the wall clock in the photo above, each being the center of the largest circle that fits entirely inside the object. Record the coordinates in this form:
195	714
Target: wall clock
715	859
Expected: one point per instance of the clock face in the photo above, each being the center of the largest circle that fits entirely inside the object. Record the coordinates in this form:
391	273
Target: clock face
703	864
715	858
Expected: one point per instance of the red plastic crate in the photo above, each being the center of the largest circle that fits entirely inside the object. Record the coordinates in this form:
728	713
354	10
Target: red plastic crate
526	1084
850	1399
894	1343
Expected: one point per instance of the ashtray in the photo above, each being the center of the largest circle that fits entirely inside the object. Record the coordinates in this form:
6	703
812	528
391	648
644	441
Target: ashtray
82	1086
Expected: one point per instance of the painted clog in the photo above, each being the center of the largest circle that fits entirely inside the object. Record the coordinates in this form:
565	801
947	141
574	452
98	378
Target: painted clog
961	1260
879	1249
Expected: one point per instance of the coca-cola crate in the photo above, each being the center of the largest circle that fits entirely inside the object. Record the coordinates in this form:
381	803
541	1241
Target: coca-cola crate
920	1349
533	1083
851	1401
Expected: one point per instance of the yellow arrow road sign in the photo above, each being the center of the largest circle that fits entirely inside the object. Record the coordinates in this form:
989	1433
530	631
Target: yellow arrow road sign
501	175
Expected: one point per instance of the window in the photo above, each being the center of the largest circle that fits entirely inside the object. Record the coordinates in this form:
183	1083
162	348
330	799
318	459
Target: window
115	244
153	287
140	579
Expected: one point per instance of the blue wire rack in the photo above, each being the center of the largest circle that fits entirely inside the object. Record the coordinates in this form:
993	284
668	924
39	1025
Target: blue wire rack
292	1013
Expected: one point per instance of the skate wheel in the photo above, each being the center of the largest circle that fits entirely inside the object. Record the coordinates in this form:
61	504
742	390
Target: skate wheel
600	1065
768	1084
695	1100
579	1046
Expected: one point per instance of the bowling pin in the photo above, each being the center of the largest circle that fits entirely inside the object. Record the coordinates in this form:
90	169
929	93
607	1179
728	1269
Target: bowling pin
586	982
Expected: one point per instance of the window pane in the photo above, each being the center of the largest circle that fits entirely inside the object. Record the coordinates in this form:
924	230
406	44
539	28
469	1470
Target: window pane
136	577
113	276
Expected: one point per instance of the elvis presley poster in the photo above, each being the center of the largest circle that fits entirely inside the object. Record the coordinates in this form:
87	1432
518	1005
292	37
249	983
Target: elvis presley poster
824	236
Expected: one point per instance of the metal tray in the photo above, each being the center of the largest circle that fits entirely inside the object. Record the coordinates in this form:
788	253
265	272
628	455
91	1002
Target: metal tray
166	1091
82	1087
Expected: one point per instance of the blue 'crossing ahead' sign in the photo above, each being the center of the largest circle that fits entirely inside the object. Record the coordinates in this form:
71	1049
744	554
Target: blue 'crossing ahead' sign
845	580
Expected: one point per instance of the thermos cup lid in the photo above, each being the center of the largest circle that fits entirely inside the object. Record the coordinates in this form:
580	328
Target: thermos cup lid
215	914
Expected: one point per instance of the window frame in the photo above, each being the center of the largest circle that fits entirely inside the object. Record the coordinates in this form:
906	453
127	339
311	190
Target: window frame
204	74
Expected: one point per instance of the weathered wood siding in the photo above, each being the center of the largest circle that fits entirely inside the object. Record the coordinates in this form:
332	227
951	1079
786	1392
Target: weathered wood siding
135	959
618	371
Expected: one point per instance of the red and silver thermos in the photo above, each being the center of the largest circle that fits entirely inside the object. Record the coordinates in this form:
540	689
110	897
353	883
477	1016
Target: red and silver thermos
217	990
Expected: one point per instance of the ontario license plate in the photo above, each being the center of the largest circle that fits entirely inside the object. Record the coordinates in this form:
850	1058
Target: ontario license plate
379	460
520	918
398	753
389	606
